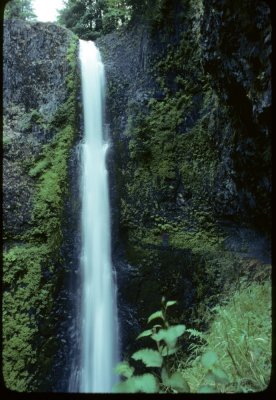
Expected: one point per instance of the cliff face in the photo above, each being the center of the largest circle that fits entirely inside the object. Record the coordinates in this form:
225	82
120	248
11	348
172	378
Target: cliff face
40	90
236	52
188	103
33	88
188	108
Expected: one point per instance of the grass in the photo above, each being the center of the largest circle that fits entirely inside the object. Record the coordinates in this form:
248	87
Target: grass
240	335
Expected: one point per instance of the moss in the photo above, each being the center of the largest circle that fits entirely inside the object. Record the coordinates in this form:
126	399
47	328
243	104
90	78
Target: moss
25	299
160	156
180	235
167	153
29	294
168	177
31	118
51	189
52	167
39	168
171	141
198	161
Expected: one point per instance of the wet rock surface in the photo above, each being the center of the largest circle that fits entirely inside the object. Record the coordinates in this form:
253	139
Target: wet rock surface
35	70
34	86
236	52
155	226
234	61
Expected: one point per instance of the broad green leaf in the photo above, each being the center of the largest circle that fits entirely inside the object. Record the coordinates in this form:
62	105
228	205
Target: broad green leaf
170	303
124	369
168	351
209	359
159	335
178	329
156	314
169	335
220	375
151	358
127	386
144	333
177	382
146	383
210	377
172	333
207	389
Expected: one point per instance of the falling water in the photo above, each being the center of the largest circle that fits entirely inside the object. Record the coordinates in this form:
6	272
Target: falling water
99	310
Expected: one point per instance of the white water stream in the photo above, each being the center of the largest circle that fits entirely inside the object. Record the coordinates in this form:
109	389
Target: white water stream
99	341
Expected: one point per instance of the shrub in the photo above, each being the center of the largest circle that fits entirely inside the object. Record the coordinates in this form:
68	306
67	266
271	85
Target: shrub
165	336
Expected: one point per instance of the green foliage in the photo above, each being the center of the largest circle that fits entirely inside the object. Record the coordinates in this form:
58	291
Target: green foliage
51	188
155	315
22	276
169	335
198	161
39	168
165	337
146	383
31	118
171	146
150	358
51	169
209	359
89	19
117	14
236	355
28	298
20	9
175	381
124	369
148	332
153	140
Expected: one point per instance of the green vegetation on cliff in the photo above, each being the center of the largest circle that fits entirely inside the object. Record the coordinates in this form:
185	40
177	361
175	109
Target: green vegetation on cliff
182	156
187	132
30	268
173	157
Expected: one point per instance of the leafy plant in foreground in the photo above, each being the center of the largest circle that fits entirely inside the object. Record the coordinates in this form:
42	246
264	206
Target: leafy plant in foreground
215	377
165	336
241	335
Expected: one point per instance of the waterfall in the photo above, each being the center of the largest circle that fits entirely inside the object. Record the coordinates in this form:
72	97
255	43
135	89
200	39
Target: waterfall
99	337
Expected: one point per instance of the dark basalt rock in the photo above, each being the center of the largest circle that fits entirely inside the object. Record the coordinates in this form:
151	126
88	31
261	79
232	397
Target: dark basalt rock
34	71
35	65
142	286
235	54
34	87
234	61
